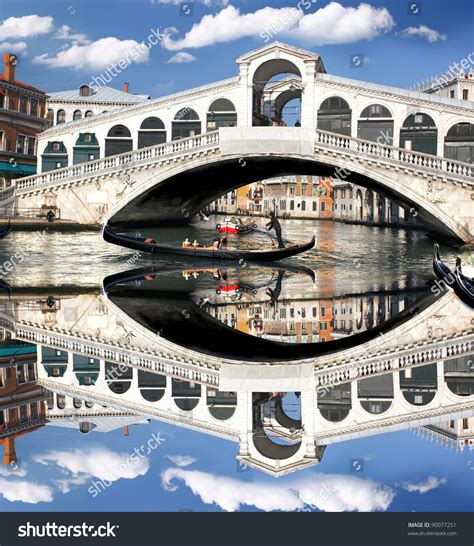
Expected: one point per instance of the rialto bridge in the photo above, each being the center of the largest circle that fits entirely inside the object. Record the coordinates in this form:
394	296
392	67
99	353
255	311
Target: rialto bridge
415	374
163	160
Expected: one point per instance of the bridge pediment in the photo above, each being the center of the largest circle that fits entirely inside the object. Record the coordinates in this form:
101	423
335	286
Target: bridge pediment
276	49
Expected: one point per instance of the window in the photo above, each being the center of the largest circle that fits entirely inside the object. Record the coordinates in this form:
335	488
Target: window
465	94
451	94
56	146
375	109
3	101
87	137
465	424
88	114
31	145
1	140
303	205
23	107
31	372
77	115
323	311
323	206
418	118
23	414
85	91
20	144
61	116
50	118
34	107
34	411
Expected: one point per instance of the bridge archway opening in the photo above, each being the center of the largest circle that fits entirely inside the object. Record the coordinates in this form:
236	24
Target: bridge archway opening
376	124
186	123
55	156
336	403
334	115
86	148
459	142
419	133
419	385
359	212
152	131
118	141
221	113
268	73
369	203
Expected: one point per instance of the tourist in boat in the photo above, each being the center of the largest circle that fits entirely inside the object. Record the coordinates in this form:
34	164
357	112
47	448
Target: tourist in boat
186	243
216	243
223	245
150	240
275	224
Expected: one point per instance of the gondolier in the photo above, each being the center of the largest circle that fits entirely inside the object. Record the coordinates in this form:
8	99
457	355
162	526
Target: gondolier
275	224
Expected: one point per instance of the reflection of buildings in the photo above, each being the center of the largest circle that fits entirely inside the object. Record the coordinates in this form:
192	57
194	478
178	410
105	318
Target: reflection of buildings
301	320
456	434
22	400
302	196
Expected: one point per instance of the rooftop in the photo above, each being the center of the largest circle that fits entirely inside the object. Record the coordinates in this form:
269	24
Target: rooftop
101	94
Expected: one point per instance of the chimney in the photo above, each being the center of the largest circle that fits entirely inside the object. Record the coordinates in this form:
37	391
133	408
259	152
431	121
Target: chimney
125	87
9	61
125	430
9	456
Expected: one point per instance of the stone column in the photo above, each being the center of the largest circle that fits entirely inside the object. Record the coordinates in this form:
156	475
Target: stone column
308	115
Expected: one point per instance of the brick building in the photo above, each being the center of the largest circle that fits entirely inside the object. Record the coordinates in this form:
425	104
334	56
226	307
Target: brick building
22	117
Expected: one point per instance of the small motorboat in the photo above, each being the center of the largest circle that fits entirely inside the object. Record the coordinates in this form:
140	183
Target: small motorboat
236	225
460	280
209	252
6	230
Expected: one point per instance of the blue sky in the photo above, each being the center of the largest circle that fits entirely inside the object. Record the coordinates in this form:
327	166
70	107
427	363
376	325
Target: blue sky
392	464
66	47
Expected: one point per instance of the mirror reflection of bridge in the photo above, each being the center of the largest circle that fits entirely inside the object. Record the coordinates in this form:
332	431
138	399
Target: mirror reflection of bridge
89	353
182	151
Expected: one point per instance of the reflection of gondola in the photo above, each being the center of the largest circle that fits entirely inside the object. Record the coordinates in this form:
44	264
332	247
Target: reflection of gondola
460	283
231	225
6	230
5	287
264	255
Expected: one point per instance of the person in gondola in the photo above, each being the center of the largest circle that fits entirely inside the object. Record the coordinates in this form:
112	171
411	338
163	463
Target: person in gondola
50	216
275	224
150	240
216	243
223	245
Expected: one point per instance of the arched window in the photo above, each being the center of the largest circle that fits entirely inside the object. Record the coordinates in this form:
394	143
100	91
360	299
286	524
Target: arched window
419	133
86	148
303	205
221	113
118	141
60	117
85	91
54	156
50	118
334	115
89	114
185	124
315	206
292	205
152	131
459	142
376	124
77	115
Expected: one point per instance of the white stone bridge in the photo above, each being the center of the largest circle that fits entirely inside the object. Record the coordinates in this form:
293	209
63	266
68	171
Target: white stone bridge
182	151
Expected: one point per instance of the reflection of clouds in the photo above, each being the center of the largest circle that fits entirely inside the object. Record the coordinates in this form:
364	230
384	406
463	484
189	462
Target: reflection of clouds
95	462
13	470
432	482
181	460
23	491
326	492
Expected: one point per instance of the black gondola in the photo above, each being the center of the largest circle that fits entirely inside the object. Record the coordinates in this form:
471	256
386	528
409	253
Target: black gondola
6	230
5	287
264	255
456	280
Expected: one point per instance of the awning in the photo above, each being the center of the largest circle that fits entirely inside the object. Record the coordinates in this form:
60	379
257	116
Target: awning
20	168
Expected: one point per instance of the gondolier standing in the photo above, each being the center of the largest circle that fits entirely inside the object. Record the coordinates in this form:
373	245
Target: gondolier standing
275	224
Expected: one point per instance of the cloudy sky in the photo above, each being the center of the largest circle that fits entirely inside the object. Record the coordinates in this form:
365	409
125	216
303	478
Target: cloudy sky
63	44
60	469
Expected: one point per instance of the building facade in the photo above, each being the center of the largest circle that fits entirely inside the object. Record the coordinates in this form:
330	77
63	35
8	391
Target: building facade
22	117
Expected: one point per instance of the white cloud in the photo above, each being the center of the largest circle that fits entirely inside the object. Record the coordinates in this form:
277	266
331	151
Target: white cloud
425	32
23	491
432	482
97	462
97	55
181	460
64	33
181	57
8	47
23	27
65	485
327	492
332	24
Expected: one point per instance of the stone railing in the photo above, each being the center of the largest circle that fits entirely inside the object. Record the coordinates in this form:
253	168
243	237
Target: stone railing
417	355
135	158
365	149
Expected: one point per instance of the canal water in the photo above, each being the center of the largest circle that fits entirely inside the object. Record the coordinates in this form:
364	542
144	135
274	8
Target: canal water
346	258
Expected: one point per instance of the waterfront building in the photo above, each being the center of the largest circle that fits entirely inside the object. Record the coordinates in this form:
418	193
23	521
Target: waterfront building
22	111
22	400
